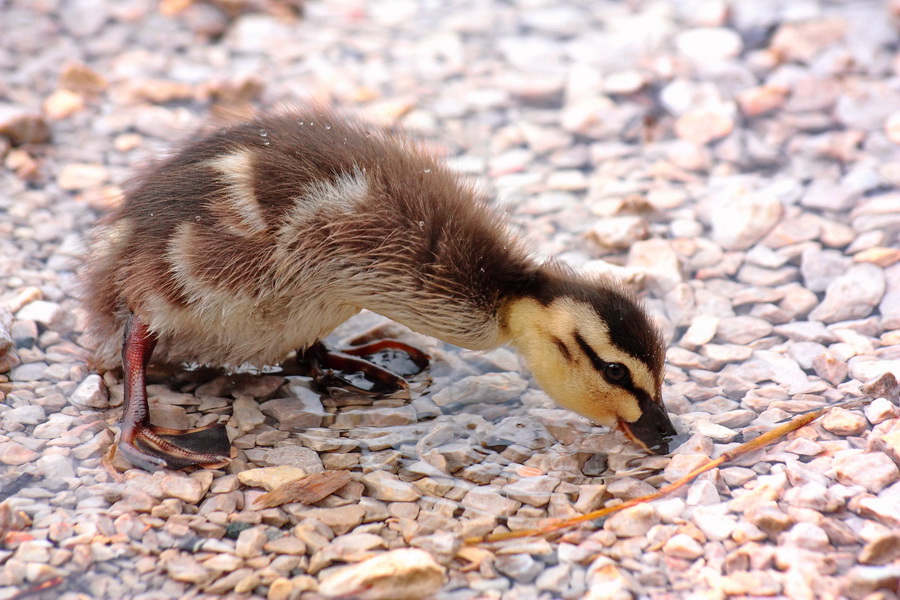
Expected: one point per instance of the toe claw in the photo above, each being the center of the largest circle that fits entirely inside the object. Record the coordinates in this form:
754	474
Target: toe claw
154	448
140	458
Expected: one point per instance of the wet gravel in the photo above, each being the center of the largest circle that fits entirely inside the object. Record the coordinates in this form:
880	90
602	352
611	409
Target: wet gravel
738	162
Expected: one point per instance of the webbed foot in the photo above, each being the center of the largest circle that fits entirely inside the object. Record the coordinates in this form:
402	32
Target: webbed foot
363	368
153	448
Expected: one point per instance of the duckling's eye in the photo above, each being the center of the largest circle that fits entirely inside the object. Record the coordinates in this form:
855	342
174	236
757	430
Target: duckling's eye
615	372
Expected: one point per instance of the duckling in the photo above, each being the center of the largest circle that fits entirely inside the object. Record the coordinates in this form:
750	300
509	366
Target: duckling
258	239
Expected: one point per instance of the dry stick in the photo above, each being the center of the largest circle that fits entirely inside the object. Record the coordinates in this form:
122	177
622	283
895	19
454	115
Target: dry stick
754	444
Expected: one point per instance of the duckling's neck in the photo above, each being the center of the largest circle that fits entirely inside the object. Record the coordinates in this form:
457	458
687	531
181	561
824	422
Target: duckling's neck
531	326
466	306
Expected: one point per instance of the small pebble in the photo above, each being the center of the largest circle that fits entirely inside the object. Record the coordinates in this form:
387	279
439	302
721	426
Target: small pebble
705	44
247	414
270	478
619	232
403	574
534	491
188	570
872	470
633	521
492	388
883	386
385	486
880	410
830	367
188	489
488	500
302	411
843	422
809	536
683	546
852	295
520	567
250	542
91	393
15	454
31	414
712	521
703	125
341	519
702	330
80	176
285	545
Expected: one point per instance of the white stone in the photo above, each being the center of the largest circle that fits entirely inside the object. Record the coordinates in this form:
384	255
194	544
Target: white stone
40	311
890	302
91	393
532	490
294	456
872	470
519	567
189	489
387	487
843	422
785	371
30	371
56	465
488	499
741	218
852	295
714	431
619	232
246	414
402	574
809	536
270	478
29	414
709	44
713	521
37	551
353	547
491	388
702	330
820	267
682	545
742	330
659	261
633	521
881	410
304	409
703	492
250	542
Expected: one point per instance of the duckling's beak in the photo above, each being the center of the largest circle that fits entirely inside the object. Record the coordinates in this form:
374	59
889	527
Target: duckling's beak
652	430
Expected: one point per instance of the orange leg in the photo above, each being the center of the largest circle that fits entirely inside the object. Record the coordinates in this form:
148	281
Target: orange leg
150	447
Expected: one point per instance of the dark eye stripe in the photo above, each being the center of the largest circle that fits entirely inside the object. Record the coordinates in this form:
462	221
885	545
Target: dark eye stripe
563	348
600	365
598	362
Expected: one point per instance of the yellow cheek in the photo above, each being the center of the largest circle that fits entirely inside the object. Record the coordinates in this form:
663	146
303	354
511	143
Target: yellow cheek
605	405
582	393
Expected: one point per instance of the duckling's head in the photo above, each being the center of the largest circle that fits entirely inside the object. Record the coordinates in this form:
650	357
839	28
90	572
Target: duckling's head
592	347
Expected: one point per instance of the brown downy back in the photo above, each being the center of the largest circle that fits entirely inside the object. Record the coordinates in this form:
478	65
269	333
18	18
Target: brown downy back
257	200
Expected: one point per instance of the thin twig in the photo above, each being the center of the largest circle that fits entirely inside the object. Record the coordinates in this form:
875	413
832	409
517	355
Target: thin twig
755	444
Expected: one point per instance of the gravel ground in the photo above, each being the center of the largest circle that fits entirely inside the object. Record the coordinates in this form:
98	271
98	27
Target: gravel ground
738	161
